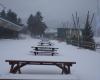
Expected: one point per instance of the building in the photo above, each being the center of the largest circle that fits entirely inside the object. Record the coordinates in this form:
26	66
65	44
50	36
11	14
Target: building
61	33
9	29
51	33
69	33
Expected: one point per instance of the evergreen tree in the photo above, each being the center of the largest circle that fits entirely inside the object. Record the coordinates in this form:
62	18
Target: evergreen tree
35	24
41	26
30	24
3	14
88	40
12	16
19	21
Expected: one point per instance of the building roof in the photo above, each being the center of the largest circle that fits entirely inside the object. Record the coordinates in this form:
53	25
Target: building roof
51	30
7	24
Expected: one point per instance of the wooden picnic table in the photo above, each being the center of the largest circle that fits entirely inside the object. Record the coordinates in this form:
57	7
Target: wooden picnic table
16	65
41	43
46	50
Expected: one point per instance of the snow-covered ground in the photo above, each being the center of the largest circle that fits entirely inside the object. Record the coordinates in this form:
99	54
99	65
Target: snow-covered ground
87	65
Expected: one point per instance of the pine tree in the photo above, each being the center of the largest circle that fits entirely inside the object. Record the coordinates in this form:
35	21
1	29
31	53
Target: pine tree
35	24
88	40
12	16
30	24
19	21
3	14
40	25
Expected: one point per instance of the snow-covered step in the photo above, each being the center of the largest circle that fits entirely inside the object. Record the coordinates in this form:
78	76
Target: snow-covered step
37	77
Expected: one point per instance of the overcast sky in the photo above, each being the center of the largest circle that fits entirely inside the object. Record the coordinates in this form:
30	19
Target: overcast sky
52	10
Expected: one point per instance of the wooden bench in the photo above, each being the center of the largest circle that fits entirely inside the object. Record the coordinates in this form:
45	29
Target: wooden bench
44	52
45	44
43	48
16	65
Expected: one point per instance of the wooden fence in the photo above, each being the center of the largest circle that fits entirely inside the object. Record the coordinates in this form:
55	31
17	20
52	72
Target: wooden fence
84	44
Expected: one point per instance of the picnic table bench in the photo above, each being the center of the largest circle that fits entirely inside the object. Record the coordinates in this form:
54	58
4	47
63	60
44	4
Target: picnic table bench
46	50
41	43
16	65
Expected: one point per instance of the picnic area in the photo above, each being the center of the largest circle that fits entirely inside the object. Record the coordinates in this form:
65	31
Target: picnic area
17	61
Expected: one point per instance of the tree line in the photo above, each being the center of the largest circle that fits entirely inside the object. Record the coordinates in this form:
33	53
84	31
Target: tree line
35	24
11	16
37	27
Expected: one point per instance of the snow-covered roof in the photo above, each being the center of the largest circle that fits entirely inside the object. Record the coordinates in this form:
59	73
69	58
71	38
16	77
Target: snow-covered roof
7	24
51	30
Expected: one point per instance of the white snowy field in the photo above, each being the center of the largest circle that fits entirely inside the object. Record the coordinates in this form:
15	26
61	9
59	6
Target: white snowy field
87	65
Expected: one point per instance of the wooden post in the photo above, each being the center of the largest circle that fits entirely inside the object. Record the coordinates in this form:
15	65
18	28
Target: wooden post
19	68
62	68
52	53
11	69
68	69
35	53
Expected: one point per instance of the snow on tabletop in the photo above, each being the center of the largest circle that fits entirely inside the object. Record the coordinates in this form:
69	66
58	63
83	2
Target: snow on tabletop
41	58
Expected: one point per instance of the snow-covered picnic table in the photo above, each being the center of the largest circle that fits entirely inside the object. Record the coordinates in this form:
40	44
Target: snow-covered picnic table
45	43
16	64
44	49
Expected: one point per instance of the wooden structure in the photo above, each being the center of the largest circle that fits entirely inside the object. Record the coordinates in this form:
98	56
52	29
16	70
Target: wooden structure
43	49
45	43
9	29
69	33
16	65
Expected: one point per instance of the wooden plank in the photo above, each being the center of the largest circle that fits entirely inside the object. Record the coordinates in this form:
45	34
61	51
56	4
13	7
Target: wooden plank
45	52
44	47
16	61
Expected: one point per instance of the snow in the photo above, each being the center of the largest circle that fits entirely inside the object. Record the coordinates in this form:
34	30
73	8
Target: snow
97	39
87	65
39	77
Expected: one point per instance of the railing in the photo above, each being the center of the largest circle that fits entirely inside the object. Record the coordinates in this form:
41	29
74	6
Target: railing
84	44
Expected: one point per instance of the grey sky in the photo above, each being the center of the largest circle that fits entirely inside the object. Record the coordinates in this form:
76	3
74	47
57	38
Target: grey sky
52	10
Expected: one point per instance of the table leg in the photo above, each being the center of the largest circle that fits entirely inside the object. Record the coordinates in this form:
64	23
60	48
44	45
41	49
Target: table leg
69	69
11	69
